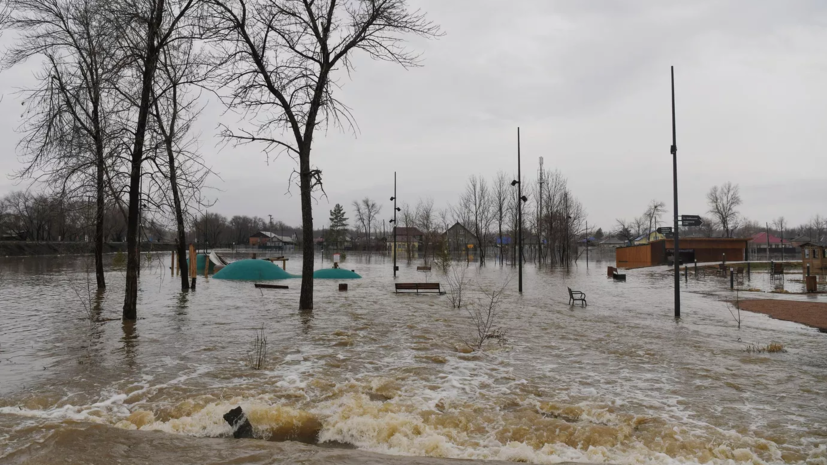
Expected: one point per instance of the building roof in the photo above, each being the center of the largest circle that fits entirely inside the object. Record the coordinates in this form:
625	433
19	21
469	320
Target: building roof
274	236
264	234
612	240
404	231
817	244
761	238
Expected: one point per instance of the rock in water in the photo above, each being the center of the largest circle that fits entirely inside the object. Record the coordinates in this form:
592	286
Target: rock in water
239	422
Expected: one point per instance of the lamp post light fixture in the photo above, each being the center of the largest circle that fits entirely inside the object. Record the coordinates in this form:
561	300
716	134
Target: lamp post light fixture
395	209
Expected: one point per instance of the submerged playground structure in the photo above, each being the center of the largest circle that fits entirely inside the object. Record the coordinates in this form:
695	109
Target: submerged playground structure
251	269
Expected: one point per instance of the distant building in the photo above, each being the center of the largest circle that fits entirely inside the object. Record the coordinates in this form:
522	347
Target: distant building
814	254
458	237
647	238
611	242
760	240
405	237
797	241
269	239
702	249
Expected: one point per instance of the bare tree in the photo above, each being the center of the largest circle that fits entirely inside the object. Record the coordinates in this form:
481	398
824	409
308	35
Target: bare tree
68	130
624	231
372	210
409	220
653	212
148	26
362	218
723	202
174	111
284	55
781	225
500	195
425	221
476	212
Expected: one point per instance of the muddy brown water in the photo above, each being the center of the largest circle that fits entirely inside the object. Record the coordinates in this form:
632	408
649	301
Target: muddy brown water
370	374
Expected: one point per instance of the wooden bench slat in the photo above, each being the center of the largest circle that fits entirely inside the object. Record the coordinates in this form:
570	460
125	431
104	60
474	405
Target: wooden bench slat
418	287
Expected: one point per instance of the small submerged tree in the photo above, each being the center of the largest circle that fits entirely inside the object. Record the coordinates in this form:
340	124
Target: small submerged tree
284	58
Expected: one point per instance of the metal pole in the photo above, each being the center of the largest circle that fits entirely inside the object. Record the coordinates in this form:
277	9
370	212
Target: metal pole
675	192
394	224
587	245
519	216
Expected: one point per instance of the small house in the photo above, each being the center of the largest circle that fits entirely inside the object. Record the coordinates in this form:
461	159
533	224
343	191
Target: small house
459	238
406	237
813	254
648	238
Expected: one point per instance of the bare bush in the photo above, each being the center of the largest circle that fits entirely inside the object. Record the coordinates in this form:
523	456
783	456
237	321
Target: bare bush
735	309
456	278
484	314
257	356
86	300
771	348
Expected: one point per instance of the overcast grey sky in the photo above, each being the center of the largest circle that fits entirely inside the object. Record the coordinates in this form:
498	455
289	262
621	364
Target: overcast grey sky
588	83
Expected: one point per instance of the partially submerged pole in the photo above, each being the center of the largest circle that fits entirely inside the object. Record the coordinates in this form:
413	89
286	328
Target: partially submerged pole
193	266
519	216
677	254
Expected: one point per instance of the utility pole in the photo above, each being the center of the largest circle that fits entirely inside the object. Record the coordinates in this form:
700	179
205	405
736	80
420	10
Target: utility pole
540	220
675	210
519	215
394	223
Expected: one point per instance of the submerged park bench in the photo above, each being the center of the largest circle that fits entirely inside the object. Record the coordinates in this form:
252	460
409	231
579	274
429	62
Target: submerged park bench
577	296
424	287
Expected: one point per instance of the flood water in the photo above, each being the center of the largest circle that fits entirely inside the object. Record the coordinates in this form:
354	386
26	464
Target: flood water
370	372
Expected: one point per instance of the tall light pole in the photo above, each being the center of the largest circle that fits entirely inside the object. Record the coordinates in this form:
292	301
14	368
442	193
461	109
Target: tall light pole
519	217
395	209
675	210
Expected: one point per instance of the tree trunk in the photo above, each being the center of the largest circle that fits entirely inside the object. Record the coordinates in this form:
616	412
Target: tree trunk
99	215
130	305
306	296
181	242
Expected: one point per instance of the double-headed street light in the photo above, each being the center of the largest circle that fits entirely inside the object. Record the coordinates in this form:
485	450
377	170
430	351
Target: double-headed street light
520	199
393	221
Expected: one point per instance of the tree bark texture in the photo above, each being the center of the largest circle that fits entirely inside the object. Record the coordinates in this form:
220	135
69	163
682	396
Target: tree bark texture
130	305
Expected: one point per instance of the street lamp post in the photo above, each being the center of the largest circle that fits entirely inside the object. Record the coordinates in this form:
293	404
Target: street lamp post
520	198
395	209
675	188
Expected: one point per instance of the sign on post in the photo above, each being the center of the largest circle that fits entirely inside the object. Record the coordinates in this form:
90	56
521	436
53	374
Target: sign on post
336	258
664	230
691	220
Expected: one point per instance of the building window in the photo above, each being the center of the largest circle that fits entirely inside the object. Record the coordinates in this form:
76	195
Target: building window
806	253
